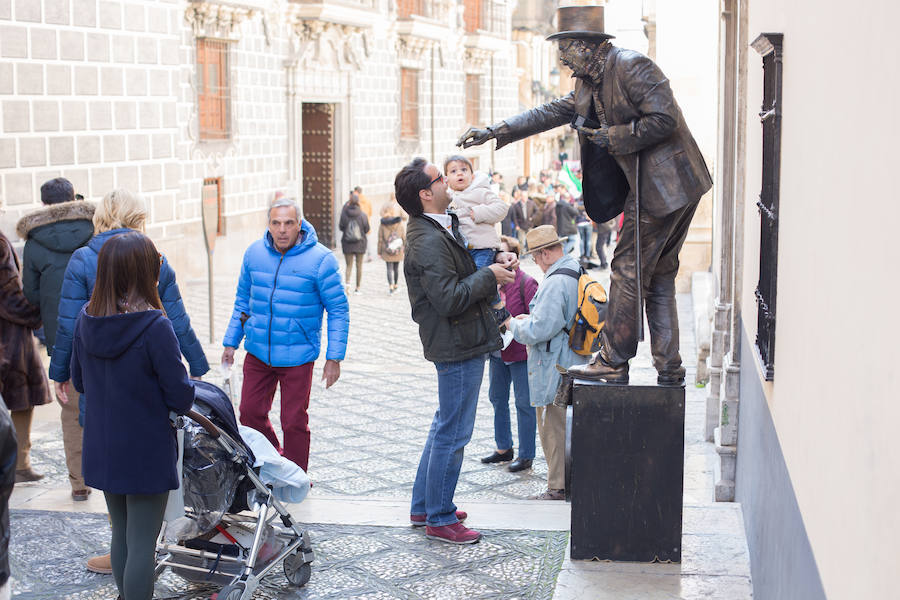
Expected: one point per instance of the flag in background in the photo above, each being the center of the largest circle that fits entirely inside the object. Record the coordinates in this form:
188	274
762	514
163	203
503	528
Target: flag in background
568	179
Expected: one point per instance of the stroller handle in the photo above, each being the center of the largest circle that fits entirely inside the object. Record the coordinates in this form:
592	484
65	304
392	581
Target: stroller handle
205	423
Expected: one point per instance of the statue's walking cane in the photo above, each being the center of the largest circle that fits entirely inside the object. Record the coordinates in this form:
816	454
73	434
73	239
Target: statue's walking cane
639	295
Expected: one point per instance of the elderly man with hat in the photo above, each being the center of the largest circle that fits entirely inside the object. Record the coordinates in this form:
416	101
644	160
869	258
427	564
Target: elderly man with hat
633	138
543	330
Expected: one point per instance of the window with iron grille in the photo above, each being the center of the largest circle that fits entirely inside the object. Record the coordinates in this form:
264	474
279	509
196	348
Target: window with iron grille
212	188
769	46
407	8
214	89
409	104
473	99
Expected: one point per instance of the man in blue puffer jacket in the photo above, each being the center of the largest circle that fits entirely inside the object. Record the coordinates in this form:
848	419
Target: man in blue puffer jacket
287	279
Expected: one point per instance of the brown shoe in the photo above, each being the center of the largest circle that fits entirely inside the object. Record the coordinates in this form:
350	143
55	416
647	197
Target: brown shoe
27	475
549	494
598	370
99	564
81	495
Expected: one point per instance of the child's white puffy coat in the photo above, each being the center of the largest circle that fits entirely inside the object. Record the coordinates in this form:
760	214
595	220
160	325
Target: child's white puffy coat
488	208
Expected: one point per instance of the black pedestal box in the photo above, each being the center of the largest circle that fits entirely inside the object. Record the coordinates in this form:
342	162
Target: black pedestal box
625	472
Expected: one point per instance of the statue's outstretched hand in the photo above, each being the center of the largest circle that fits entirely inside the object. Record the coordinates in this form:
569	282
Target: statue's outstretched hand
475	137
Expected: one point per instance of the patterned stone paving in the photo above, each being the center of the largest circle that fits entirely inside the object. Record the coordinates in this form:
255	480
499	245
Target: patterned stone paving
370	563
367	435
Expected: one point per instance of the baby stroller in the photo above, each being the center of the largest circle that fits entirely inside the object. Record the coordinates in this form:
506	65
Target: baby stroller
205	537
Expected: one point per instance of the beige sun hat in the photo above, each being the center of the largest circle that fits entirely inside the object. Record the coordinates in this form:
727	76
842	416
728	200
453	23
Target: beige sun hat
541	237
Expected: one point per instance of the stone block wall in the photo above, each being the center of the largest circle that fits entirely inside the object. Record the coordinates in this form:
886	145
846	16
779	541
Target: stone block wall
104	92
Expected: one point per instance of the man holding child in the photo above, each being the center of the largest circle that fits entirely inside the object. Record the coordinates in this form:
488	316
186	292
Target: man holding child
450	301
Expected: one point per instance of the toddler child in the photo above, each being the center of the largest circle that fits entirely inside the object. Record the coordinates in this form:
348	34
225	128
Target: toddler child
479	210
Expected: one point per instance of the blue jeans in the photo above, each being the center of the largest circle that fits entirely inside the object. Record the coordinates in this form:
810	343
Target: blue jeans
586	231
451	429
501	375
571	241
484	257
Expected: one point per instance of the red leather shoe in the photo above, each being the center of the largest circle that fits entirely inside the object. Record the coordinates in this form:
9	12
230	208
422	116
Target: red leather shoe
457	533
419	520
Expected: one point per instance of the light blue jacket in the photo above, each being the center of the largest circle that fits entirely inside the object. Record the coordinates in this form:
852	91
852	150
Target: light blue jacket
284	296
552	309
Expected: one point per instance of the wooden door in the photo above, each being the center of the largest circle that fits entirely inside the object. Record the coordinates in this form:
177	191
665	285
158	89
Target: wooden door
318	169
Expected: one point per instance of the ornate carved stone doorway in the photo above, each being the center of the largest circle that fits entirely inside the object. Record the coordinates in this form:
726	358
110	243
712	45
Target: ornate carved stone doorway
318	169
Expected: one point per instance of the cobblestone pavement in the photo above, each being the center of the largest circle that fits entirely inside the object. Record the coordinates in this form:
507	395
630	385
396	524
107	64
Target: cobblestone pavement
367	434
367	563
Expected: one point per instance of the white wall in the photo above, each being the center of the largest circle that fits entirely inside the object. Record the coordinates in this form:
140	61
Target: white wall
834	397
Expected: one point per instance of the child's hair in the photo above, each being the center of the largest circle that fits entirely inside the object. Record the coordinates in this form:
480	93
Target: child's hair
127	272
458	158
511	243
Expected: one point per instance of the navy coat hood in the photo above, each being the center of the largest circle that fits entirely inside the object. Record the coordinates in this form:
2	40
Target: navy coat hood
110	337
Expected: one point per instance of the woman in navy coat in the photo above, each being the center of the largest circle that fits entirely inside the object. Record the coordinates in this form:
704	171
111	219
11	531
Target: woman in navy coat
127	362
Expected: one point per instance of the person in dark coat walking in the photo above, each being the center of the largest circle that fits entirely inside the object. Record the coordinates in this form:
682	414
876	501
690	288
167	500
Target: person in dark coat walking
354	226
626	115
127	362
23	383
51	235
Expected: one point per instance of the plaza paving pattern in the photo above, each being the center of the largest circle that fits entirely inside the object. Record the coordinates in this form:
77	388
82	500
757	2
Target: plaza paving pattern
368	563
367	435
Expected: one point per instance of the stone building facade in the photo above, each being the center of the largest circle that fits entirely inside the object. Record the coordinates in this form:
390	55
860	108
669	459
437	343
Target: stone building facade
240	100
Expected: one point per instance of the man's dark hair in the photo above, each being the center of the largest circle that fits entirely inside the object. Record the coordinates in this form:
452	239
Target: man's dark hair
57	190
357	189
407	184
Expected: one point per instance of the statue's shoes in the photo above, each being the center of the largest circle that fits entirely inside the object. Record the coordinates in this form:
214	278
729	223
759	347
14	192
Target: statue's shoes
597	370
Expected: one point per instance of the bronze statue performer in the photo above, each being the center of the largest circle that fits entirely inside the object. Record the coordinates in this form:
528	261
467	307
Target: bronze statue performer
627	121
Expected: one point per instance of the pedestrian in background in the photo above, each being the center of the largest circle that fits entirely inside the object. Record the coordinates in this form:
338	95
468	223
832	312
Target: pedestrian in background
118	212
23	383
51	235
522	210
391	240
566	214
543	330
287	280
507	367
366	206
354	225
126	360
585	232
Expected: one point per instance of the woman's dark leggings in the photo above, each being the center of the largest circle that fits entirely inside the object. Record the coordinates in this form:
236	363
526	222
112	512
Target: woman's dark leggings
136	520
393	270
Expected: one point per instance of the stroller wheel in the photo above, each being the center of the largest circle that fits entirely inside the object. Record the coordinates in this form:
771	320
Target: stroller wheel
232	592
297	571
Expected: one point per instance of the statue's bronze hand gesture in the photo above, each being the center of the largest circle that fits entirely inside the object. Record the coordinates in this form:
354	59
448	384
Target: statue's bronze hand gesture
475	137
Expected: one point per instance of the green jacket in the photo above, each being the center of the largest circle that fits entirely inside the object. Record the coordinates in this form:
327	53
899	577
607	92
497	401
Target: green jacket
51	235
449	297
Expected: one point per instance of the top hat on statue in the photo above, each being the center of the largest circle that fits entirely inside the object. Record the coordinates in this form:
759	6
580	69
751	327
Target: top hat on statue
580	22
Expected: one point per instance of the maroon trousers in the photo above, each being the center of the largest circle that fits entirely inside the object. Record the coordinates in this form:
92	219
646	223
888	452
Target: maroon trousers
257	394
